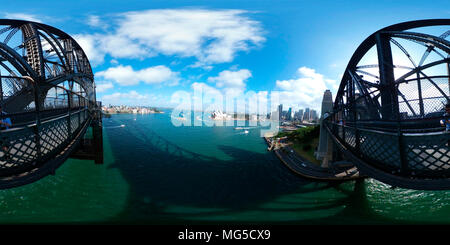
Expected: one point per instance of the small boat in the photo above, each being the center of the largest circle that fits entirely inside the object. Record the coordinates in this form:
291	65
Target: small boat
122	126
246	132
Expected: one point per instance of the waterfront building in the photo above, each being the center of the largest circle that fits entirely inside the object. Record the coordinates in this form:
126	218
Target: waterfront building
218	115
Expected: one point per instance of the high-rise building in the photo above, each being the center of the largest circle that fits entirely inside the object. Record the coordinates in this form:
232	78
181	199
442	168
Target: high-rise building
280	111
280	108
289	114
300	115
306	115
313	115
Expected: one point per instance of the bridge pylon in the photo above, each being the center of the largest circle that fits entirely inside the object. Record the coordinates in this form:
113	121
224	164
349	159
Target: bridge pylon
325	148
91	146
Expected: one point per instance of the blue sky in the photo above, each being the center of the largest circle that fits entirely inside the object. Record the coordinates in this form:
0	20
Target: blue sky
143	51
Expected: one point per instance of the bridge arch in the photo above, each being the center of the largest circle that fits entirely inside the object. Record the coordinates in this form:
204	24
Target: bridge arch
387	111
47	90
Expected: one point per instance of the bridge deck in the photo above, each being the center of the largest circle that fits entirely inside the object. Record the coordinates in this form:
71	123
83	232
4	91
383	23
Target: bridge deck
304	168
425	163
48	168
23	163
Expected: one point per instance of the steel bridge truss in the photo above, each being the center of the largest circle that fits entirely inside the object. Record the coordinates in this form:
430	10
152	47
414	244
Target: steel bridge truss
47	90
387	112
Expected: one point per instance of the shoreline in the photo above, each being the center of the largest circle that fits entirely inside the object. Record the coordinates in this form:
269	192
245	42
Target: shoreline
235	119
107	113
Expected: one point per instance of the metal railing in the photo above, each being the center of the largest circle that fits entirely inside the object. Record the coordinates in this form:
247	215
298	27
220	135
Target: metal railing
47	91
405	153
24	148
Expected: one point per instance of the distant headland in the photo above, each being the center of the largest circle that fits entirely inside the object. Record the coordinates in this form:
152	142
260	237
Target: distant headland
122	109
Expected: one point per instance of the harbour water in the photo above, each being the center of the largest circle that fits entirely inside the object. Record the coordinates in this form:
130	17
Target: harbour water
157	173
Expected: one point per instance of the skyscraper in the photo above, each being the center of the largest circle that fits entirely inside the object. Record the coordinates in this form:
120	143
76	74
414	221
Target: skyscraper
306	115
313	115
289	114
280	111
300	114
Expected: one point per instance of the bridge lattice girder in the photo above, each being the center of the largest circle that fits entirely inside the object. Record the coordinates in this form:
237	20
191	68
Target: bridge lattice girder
386	116
47	90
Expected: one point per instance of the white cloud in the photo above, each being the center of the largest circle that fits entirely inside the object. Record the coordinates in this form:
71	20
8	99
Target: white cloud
206	97
95	21
96	46
231	81
122	47
90	46
305	91
126	75
130	98
234	79
21	16
211	36
204	87
103	86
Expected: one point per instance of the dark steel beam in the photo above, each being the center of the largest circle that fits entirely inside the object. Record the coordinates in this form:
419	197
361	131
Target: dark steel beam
369	42
389	94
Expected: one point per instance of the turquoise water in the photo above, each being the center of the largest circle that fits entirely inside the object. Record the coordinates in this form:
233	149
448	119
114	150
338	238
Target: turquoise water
157	173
